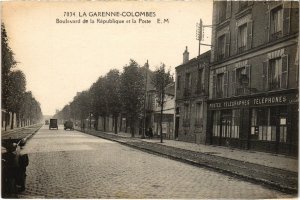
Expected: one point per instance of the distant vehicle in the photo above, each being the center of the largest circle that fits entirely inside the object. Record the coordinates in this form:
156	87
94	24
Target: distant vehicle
47	122
68	125
53	124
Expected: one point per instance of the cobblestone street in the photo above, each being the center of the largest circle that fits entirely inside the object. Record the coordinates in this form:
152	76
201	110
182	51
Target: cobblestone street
70	164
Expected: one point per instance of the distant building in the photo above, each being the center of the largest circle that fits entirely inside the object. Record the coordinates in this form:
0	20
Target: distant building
191	98
168	114
253	91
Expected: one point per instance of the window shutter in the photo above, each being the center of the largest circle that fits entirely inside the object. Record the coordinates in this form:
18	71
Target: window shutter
248	73
214	86
267	27
284	73
250	34
228	9
227	44
236	39
226	84
233	81
286	17
265	75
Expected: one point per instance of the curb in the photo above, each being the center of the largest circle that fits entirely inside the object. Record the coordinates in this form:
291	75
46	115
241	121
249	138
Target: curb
207	165
25	139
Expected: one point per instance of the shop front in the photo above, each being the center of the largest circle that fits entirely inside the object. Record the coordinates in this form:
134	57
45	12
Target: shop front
266	122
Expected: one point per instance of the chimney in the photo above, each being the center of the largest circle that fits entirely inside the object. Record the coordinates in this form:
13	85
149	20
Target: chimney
185	55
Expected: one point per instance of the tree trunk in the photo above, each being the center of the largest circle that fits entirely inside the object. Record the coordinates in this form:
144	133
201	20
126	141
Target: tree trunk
104	123
120	125
12	120
161	116
132	127
116	124
6	116
96	122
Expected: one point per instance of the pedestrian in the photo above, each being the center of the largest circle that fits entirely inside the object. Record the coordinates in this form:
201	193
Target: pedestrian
21	179
150	133
10	167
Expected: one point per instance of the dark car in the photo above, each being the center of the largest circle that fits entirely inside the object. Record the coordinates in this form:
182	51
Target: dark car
53	124
68	125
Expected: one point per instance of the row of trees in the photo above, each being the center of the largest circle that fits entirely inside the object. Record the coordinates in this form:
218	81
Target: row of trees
15	100
117	94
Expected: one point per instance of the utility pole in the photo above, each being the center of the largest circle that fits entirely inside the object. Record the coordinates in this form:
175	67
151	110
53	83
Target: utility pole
145	99
199	34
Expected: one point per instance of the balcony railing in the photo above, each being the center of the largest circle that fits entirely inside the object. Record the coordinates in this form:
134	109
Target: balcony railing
187	92
240	91
219	94
241	49
200	90
221	56
275	36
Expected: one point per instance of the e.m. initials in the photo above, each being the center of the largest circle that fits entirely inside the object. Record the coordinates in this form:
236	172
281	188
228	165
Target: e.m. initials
162	21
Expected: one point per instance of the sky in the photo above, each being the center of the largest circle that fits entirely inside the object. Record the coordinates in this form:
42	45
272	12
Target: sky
61	59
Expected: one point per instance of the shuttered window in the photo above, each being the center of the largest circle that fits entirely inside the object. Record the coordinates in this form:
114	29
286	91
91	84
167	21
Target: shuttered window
278	73
221	47
242	38
276	20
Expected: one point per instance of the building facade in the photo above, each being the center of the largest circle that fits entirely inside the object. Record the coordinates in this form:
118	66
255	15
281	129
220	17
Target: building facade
191	98
253	81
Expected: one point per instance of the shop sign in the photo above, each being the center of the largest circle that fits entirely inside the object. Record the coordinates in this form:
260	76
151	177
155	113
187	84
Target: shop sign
258	101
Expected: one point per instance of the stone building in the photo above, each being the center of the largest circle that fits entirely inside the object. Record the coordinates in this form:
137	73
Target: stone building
253	90
191	98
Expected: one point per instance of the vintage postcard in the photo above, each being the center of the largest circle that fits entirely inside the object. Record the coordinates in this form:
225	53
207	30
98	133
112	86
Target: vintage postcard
149	99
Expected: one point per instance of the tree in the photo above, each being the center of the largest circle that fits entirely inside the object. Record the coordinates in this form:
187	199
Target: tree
7	63
132	93
30	110
160	79
99	103
113	96
16	88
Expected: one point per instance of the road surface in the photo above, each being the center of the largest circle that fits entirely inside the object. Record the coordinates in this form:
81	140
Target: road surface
70	164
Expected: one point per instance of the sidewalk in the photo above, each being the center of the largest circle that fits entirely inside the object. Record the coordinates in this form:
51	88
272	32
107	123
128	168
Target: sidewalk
19	134
277	171
261	158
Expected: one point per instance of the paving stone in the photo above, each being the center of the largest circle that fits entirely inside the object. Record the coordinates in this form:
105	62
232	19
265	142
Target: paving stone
70	164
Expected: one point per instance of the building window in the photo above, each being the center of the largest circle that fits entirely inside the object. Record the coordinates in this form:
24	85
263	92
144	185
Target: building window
216	123
220	85
242	81
187	80
242	38
178	82
261	125
275	71
200	82
276	22
186	115
235	128
187	89
222	10
221	47
230	123
199	114
266	121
